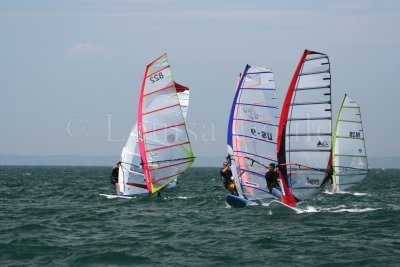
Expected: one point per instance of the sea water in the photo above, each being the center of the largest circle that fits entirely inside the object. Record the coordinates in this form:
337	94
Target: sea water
56	216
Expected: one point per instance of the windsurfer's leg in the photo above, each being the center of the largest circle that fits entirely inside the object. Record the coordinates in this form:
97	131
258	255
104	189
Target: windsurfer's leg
333	188
276	192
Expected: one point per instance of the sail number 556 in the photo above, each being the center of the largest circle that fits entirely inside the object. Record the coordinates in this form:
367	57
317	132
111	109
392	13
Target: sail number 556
156	77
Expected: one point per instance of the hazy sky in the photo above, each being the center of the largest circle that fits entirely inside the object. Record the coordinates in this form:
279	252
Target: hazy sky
70	71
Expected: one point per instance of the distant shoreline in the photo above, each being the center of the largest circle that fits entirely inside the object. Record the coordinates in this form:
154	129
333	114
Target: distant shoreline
79	160
106	161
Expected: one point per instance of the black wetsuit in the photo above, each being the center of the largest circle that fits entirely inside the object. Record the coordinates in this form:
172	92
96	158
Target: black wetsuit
226	177
114	175
272	180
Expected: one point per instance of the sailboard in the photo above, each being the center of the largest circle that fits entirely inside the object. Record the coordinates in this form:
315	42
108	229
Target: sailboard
252	131
236	201
304	138
280	207
349	161
158	149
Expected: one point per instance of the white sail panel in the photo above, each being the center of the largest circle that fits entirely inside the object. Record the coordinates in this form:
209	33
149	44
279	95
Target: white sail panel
350	164
183	96
252	132
131	178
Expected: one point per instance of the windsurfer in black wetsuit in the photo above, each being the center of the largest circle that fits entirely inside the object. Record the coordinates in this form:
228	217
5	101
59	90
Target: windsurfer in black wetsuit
226	176
272	177
114	176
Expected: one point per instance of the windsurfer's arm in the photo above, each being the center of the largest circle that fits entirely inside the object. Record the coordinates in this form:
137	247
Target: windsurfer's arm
117	165
228	159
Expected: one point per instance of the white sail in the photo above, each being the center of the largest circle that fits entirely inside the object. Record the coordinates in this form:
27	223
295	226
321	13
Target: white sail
304	140
252	132
158	149
131	178
183	97
349	160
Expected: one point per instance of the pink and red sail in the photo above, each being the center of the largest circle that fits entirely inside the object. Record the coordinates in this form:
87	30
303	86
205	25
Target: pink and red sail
163	146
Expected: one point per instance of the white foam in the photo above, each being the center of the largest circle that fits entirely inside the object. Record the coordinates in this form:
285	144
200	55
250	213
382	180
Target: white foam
337	209
360	194
355	210
115	196
310	209
346	193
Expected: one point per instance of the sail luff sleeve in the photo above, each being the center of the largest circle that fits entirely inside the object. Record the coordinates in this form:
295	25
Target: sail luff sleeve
281	147
334	176
234	167
287	102
146	171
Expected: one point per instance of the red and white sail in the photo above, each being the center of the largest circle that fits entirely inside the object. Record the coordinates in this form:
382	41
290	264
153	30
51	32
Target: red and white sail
305	131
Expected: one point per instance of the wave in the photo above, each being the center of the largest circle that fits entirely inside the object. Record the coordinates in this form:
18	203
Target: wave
346	193
115	196
356	210
336	209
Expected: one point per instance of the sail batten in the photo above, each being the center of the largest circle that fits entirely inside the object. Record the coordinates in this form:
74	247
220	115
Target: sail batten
160	109
271	158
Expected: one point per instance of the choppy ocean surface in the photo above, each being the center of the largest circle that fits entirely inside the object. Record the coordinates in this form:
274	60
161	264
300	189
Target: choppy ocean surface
55	216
